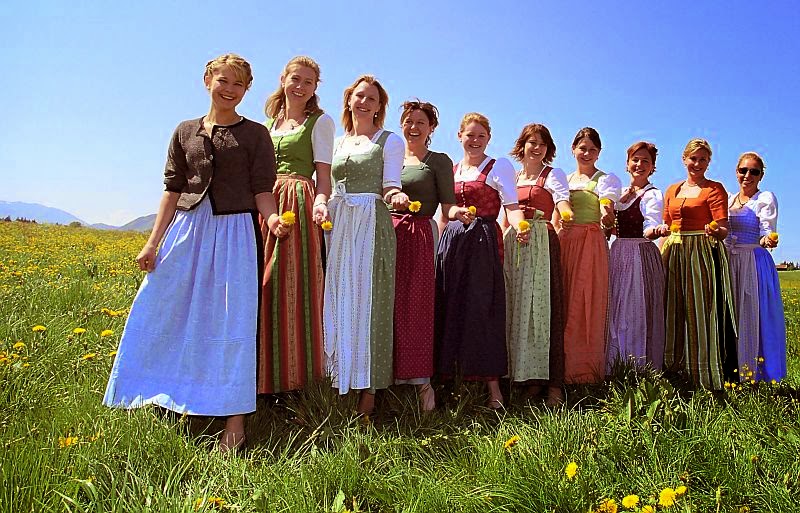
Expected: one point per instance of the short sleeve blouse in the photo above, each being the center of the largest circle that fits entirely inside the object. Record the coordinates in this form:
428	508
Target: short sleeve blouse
765	205
651	206
501	178
322	135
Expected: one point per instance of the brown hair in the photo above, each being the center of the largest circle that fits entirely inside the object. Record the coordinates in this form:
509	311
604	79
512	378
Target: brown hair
475	117
751	155
277	100
696	144
644	145
383	99
589	132
429	109
528	131
239	66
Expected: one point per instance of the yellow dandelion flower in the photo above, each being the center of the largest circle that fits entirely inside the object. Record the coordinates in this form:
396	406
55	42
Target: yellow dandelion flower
112	353
727	384
414	206
566	216
760	359
648	509
754	458
713	225
773	236
681	490
66	441
524	226
630	501
608	506
26	365
511	442
19	345
605	202
774	381
571	469
472	210
106	333
79	331
675	228
288	218
38	328
327	226
88	356
667	497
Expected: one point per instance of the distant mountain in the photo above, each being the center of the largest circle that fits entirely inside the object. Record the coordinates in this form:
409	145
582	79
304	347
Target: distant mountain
102	226
37	212
140	224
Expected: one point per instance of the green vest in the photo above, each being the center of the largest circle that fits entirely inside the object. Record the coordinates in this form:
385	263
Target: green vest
586	203
294	151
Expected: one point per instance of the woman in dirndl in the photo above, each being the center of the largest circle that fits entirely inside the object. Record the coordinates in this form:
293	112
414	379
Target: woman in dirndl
636	333
753	219
700	337
470	288
534	290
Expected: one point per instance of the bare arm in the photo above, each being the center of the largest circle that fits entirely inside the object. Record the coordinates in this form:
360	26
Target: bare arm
320	211
166	211
265	202
514	216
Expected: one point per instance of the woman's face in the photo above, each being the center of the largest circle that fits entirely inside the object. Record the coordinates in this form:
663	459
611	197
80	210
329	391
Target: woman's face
586	153
535	150
365	102
697	163
640	165
299	84
416	127
748	179
474	138
225	88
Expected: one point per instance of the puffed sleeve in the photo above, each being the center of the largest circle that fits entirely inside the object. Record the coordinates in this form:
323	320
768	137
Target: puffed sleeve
767	212
394	151
718	202
652	206
503	179
443	172
557	184
176	168
263	168
322	139
609	187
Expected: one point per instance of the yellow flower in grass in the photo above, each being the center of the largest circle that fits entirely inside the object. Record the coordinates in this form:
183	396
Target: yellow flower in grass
472	210
681	490
79	331
288	218
106	333
327	226
414	206
38	328
571	470
524	226
774	381
88	356
713	225
112	353
19	345
66	441
630	501
648	509
773	236
608	506
209	502
667	497
511	442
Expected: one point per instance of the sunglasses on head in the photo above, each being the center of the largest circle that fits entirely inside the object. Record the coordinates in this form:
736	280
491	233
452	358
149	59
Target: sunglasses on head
752	170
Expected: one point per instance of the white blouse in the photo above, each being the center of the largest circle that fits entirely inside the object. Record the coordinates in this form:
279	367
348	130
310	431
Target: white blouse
556	184
764	204
501	178
608	187
394	151
651	206
321	138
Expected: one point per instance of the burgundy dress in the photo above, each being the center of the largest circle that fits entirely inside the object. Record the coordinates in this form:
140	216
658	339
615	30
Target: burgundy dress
470	288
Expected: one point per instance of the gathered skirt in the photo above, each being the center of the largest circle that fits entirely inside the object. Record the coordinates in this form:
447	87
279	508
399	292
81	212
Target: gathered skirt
534	307
290	336
700	336
636	332
189	344
470	302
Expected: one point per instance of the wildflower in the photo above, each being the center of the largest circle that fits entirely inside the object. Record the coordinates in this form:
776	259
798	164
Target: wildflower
681	490
26	365
571	470
524	226
773	236
209	502
288	218
774	381
112	353
744	509
19	345
472	210
566	216
414	206
630	501
667	497
608	506
760	359
38	328
727	384
675	228
106	333
88	356
511	442
79	331
327	226
713	225
754	458
67	441
648	509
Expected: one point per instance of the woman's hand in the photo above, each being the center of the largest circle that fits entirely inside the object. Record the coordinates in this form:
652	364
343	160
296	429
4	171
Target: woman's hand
147	258
400	201
277	227
464	215
662	230
523	237
718	230
320	214
767	242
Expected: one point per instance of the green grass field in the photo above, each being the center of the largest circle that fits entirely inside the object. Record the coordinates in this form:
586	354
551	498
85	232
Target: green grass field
63	297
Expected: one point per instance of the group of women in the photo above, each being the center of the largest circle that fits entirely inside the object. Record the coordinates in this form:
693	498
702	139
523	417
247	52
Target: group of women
513	276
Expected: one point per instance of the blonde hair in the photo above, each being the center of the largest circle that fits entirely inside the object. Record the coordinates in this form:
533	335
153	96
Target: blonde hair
697	144
751	155
240	67
383	100
475	117
276	102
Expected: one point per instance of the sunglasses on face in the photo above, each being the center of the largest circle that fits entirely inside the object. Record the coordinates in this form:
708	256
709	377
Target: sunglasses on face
752	170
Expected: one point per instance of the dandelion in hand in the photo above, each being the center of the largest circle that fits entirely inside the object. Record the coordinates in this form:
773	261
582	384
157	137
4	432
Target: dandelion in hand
713	225
571	470
414	206
327	226
524	226
566	216
472	210
288	218
605	202
773	236
674	228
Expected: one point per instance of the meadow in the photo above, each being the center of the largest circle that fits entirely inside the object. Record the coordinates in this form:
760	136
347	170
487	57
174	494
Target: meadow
639	442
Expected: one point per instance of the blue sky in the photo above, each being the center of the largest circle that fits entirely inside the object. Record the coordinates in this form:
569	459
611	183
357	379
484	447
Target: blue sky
94	89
